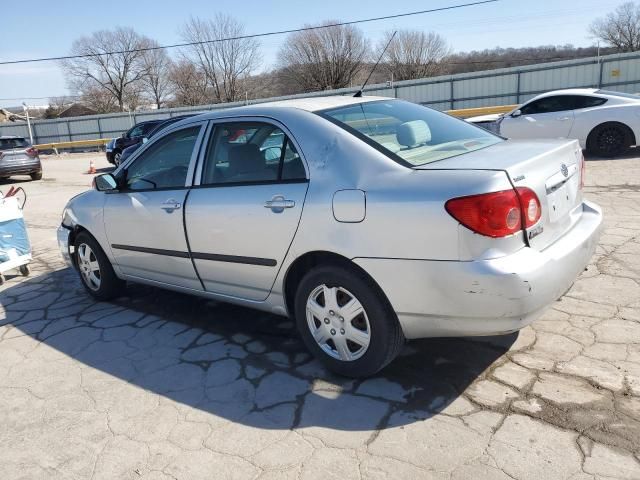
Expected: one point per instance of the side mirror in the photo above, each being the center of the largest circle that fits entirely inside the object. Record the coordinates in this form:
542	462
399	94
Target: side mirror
105	182
124	135
516	114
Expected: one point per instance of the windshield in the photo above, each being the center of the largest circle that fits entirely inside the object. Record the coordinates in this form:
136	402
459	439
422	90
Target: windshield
411	133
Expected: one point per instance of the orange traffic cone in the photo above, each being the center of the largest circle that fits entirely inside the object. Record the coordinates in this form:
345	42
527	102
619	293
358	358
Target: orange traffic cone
92	167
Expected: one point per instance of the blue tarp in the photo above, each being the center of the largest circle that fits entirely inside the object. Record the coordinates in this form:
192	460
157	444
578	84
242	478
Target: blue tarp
13	234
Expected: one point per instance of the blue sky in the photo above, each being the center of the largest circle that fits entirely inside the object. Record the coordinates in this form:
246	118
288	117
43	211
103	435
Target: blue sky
41	28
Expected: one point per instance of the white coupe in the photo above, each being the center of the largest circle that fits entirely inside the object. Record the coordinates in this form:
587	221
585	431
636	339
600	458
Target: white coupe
605	123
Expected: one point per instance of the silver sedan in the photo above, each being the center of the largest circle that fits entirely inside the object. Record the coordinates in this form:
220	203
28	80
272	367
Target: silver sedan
368	220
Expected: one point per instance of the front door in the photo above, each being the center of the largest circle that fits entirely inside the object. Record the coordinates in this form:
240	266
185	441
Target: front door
144	219
548	117
243	216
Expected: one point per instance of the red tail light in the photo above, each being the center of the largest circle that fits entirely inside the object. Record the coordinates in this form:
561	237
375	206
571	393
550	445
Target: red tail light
530	205
32	152
496	214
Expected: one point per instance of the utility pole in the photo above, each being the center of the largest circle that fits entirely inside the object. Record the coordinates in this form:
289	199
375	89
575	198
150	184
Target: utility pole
25	107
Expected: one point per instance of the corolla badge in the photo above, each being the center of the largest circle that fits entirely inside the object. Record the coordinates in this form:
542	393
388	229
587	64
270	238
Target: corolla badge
564	170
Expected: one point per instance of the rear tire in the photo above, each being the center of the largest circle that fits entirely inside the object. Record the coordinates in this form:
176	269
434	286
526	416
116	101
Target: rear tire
609	140
25	270
96	272
346	322
36	176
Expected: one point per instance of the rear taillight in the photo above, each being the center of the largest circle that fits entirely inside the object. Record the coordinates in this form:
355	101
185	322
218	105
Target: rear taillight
32	152
496	214
530	205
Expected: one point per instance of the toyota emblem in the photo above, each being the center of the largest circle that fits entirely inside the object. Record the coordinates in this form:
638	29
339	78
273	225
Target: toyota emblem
564	170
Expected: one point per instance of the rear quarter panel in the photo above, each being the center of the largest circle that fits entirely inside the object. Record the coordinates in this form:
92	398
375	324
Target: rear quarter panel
588	118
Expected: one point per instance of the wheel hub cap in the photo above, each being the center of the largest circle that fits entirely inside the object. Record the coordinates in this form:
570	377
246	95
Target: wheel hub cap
89	267
338	323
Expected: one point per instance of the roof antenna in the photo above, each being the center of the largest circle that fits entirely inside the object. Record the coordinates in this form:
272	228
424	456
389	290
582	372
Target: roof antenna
358	94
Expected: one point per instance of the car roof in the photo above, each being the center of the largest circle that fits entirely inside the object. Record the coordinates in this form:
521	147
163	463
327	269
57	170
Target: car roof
311	104
10	137
569	91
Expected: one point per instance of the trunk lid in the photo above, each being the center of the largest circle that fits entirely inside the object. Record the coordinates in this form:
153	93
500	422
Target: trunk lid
551	168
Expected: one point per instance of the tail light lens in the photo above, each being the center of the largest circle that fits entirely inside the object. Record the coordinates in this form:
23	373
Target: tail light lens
496	214
530	204
32	152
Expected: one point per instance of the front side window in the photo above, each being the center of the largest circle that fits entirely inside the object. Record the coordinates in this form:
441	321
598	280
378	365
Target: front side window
135	131
165	163
250	152
558	103
408	133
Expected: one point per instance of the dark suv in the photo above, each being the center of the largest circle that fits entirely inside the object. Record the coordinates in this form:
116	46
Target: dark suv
132	136
18	157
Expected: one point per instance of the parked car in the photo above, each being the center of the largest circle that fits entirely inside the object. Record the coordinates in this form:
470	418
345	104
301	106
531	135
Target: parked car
18	157
159	127
606	123
133	136
368	220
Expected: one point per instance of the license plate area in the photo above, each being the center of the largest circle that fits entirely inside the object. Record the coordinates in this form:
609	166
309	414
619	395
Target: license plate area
561	201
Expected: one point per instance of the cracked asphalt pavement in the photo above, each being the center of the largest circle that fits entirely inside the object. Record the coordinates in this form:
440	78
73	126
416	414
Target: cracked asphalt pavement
158	385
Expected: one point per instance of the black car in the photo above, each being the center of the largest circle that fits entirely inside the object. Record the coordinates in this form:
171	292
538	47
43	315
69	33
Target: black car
133	136
126	153
18	157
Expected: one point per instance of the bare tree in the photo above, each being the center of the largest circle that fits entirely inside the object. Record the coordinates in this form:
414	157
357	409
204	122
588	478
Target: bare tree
156	84
620	28
110	63
226	63
323	58
188	84
99	99
414	54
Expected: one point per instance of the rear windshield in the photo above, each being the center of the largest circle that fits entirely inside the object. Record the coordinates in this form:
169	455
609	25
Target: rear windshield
11	143
410	133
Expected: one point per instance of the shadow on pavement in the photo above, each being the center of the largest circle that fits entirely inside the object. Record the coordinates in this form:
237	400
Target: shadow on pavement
239	364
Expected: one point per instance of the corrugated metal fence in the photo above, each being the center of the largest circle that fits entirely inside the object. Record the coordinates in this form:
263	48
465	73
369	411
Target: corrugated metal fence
477	89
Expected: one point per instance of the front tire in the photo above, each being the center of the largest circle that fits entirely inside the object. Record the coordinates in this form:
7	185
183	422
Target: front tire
117	156
346	322
609	140
96	272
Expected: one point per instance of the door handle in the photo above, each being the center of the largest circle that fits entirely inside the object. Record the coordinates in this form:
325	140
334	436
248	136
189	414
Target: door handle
278	203
564	119
170	205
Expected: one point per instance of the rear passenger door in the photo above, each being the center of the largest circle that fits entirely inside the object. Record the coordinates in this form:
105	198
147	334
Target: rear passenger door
245	206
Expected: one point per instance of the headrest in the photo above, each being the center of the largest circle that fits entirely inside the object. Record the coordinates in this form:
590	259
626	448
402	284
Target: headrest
411	134
245	159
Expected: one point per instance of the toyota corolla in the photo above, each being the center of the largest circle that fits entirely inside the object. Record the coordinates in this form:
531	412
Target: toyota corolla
368	220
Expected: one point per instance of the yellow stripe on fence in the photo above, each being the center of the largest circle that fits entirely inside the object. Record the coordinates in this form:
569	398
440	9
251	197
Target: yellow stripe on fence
76	143
474	112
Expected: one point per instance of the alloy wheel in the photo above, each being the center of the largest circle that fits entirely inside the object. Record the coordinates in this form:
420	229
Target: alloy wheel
610	140
116	159
338	323
89	267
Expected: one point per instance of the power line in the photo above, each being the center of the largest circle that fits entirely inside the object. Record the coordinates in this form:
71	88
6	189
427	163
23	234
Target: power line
256	35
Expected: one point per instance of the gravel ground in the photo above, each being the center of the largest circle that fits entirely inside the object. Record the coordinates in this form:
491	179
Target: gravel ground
158	385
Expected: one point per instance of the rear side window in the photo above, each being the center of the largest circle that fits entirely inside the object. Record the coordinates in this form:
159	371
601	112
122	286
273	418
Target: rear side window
588	102
11	143
250	152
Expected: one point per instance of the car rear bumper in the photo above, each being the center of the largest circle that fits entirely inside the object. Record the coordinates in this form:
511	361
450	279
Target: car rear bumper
485	297
20	168
63	244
